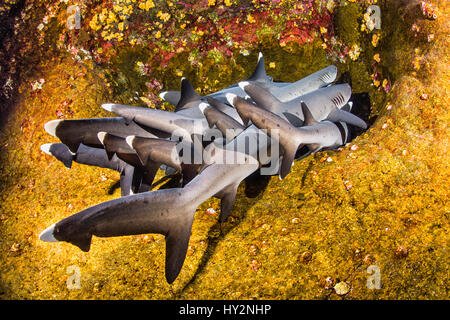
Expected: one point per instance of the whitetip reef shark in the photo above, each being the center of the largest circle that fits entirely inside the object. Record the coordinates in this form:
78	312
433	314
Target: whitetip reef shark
308	112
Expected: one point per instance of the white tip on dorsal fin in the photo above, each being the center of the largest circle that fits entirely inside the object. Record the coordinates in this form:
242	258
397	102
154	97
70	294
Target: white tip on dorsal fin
50	127
202	106
350	103
260	56
130	140
108	106
243	84
230	98
162	95
101	136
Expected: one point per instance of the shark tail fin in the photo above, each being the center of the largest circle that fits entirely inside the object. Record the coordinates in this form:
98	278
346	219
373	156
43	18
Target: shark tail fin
188	95
260	71
107	220
177	242
261	97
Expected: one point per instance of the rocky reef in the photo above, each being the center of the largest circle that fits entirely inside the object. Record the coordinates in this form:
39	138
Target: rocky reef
376	207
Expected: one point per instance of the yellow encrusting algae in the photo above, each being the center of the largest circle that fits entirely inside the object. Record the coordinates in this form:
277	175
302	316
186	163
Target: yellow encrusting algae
380	202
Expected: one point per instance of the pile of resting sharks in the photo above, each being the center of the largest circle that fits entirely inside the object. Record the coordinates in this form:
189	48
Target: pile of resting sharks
213	142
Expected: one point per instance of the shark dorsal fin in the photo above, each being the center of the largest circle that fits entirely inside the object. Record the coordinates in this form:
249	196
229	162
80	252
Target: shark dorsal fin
155	150
172	97
260	71
188	95
309	119
221	120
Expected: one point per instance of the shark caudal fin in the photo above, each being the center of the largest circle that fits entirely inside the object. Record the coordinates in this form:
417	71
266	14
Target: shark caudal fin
172	97
60	152
261	97
177	242
187	97
168	212
260	71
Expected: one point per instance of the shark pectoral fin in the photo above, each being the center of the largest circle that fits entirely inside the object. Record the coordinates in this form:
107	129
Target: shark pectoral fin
126	180
294	120
136	181
82	241
347	117
189	171
72	145
109	154
177	241
288	158
314	147
227	196
151	169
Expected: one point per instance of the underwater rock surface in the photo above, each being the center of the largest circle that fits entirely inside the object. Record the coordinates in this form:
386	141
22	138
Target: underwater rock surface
380	201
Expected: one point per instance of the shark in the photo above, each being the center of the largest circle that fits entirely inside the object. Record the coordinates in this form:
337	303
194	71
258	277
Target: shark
284	91
316	135
73	132
157	212
130	176
249	143
325	104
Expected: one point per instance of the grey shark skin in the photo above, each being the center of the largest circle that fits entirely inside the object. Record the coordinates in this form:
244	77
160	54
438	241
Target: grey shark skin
317	135
284	91
97	157
306	85
226	124
166	121
74	132
114	145
168	212
324	104
172	97
154	152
